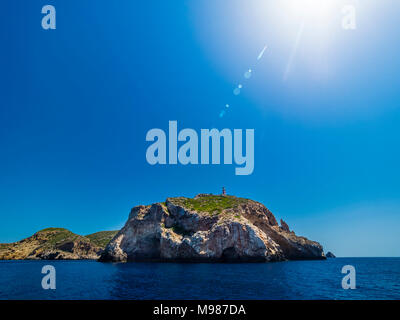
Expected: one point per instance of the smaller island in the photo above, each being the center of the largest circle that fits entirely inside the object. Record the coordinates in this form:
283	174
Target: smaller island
330	255
57	244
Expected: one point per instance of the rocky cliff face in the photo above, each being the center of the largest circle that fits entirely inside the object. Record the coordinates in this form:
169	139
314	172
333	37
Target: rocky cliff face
207	228
56	244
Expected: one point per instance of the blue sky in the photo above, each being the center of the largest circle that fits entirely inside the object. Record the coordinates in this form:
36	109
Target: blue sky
77	102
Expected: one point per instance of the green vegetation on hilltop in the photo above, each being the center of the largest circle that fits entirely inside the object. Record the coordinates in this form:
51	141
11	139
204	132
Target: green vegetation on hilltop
101	238
58	240
213	204
57	236
51	230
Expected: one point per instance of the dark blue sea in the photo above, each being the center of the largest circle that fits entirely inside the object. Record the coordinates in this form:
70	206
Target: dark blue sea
376	278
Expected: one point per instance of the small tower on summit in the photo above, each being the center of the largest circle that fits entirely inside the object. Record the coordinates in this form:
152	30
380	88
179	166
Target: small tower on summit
223	191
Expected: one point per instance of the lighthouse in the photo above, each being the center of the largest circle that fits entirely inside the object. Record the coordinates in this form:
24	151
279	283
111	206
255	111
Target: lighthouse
223	191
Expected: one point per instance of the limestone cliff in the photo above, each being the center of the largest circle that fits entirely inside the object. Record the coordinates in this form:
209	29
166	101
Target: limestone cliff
207	228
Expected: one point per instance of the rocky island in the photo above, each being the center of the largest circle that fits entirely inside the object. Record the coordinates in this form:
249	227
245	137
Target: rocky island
57	244
207	228
330	255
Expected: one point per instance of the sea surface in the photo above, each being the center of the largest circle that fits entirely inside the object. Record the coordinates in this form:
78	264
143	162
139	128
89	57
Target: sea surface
376	278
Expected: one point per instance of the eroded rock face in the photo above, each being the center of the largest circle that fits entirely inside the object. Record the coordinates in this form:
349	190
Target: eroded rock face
284	226
72	250
207	228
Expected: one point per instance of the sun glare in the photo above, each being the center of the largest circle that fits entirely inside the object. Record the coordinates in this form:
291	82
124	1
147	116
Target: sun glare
310	8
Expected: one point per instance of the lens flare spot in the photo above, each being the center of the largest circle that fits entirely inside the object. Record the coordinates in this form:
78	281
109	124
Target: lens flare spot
247	74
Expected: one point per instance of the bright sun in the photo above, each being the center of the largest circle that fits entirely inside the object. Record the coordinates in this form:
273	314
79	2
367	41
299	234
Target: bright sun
317	9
